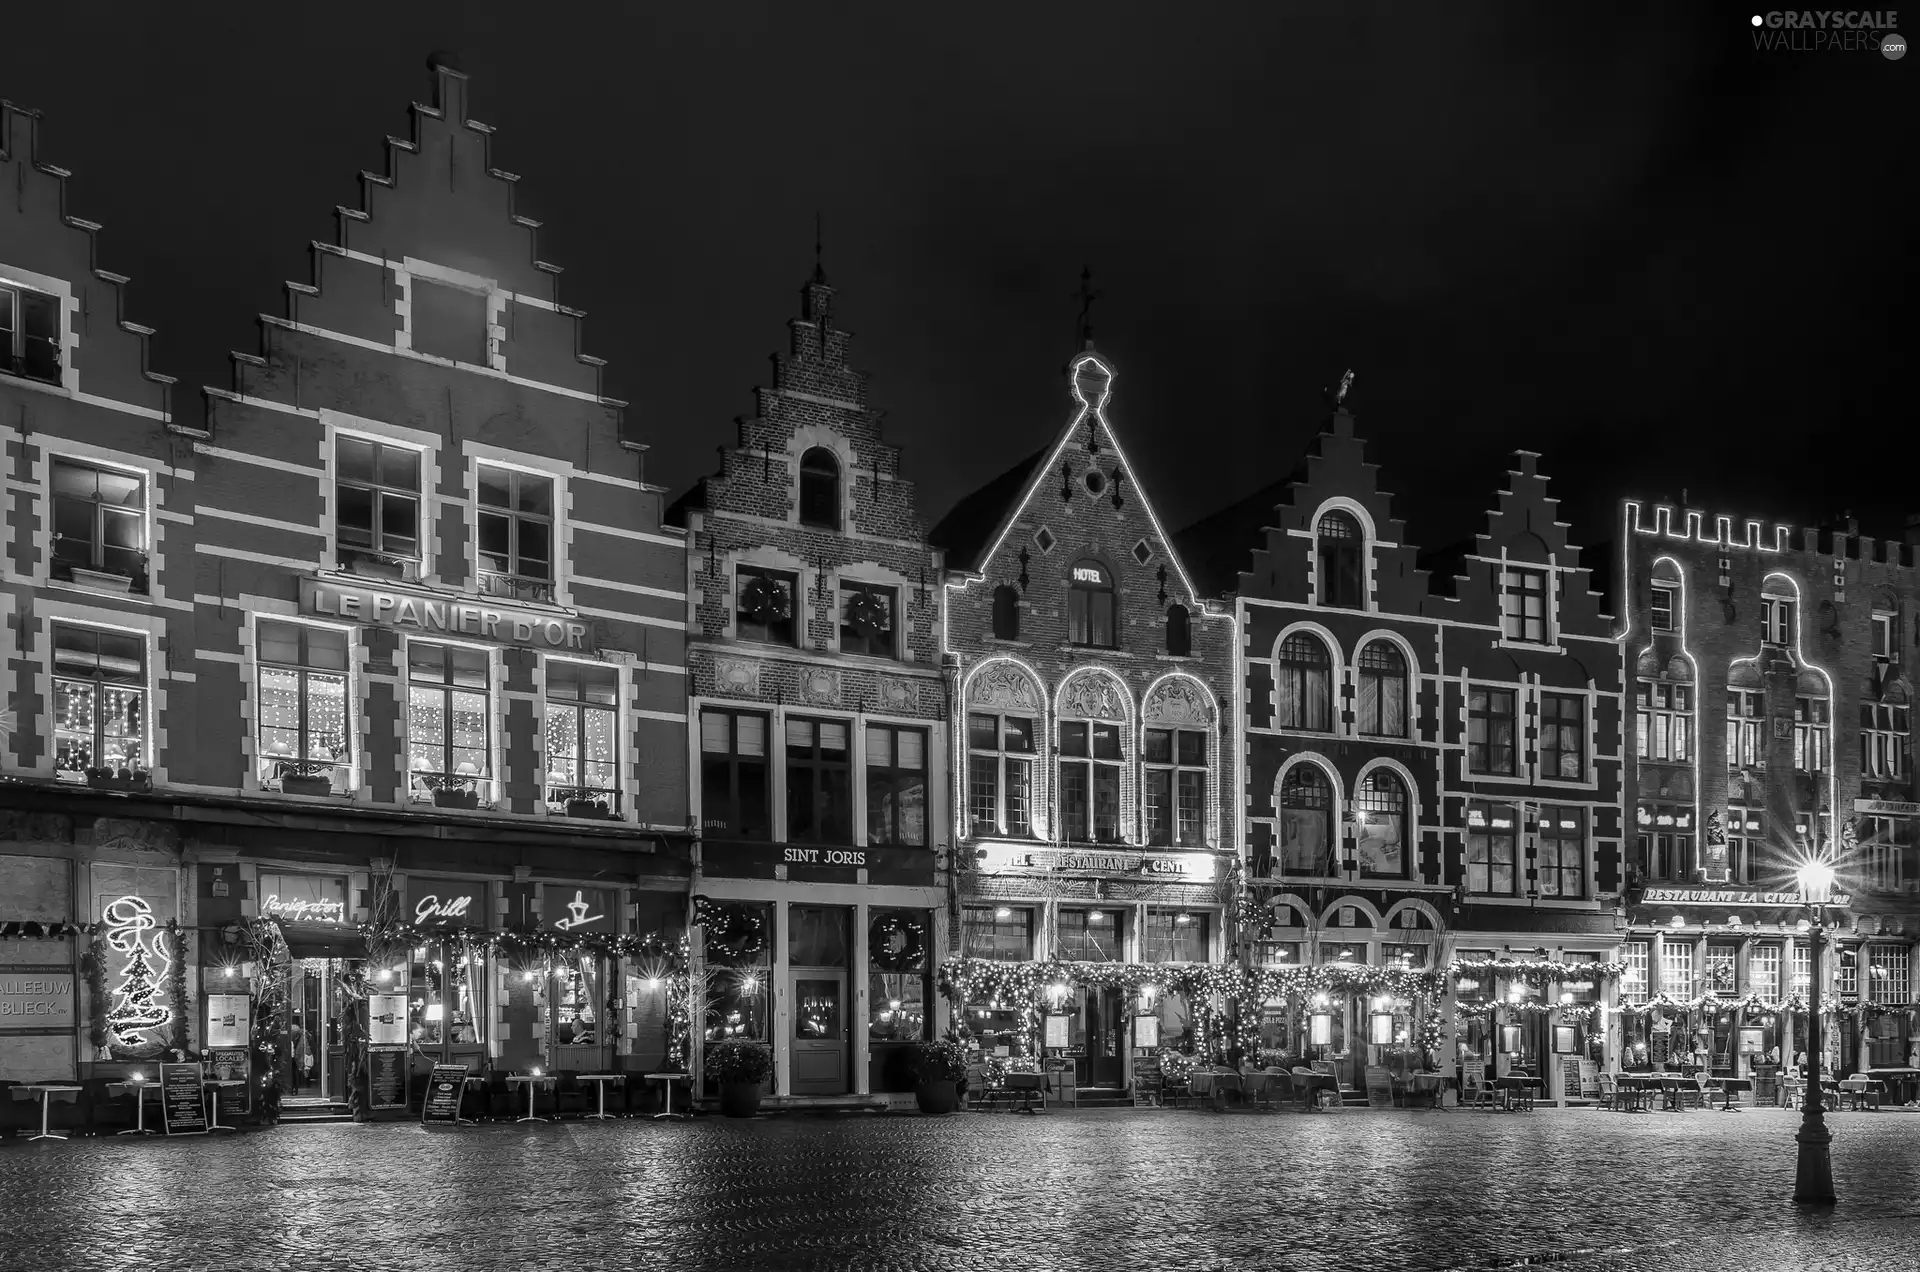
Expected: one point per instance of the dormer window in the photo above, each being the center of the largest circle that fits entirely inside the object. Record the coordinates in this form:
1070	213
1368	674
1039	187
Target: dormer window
516	534
29	334
1338	546
99	521
1663	598
1883	638
1523	605
820	489
1090	606
448	322
1179	632
1776	620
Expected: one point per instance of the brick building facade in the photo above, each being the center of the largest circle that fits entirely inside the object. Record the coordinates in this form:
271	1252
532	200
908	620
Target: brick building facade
431	631
1094	777
814	739
1772	668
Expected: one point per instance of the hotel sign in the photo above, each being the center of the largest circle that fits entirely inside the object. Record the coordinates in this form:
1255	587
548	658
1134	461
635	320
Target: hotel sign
442	615
1171	866
1710	896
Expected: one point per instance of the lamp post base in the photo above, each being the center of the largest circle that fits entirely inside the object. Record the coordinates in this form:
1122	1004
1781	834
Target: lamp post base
1813	1174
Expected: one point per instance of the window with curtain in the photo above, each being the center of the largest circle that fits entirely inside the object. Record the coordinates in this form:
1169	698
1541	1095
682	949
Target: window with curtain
582	736
1560	852
1776	620
1000	774
99	700
1090	760
1746	722
1884	731
1305	684
1492	840
1887	984
819	782
1490	730
896	775
1380	825
1176	786
1003	933
1092	618
1811	735
302	711
734	802
1306	820
1338	547
1383	693
1883	846
1174	936
1092	936
1563	736
449	719
1665	717
31	334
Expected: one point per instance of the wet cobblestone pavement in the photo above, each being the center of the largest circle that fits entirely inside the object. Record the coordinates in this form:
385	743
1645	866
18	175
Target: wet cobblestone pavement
1582	1190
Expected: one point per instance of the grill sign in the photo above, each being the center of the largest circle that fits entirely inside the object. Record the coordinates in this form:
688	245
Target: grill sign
447	615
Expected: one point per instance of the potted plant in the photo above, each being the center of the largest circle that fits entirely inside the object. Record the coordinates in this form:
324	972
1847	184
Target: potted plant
452	790
938	1070
306	777
740	1066
581	801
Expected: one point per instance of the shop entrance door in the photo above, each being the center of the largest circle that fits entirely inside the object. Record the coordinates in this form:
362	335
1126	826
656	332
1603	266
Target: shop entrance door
820	1040
1102	1025
306	1051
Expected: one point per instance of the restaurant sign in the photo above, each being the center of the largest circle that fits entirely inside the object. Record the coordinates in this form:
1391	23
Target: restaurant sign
1170	866
36	1000
442	615
447	902
1886	807
300	910
1726	896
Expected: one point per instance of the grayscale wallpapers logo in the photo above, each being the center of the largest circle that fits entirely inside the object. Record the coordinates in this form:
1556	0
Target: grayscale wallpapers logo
1830	31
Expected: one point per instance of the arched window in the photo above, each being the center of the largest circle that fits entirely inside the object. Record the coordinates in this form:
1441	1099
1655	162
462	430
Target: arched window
820	489
1338	545
1306	684
1090	606
1179	636
1383	690
1380	825
1006	613
1306	807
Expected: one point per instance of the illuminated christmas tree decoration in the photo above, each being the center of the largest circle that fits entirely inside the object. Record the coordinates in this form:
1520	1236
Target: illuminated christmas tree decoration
135	1012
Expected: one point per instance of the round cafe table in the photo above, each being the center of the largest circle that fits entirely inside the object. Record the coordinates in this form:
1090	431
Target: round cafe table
46	1090
139	1088
600	1081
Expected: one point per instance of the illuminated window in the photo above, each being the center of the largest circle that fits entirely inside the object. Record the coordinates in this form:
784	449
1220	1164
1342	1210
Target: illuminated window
1887	975
1490	730
1885	729
1763	972
1846	975
1383	691
1883	842
516	534
1090	755
1746	722
1776	620
1665	720
1338	547
733	775
820	489
1563	736
1006	613
99	701
448	322
1523	605
377	503
583	738
1560	852
1811	735
302	711
30	334
867	619
1092	936
1305	688
1633	979
1002	933
1722	961
1492	839
1664	600
1380	826
1091	615
99	522
1174	936
1802	968
1176	787
1676	969
1000	774
449	719
763	606
896	776
1306	813
1663	847
819	782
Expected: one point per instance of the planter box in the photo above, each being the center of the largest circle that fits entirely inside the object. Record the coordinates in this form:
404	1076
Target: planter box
306	784
456	799
586	808
100	581
137	782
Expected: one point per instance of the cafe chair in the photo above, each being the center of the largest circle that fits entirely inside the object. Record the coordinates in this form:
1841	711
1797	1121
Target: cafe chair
642	1098
13	1111
1380	1092
504	1103
475	1104
1477	1093
107	1113
1610	1095
571	1096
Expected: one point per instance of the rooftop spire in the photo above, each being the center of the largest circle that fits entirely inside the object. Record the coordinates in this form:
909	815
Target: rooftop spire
819	270
1083	337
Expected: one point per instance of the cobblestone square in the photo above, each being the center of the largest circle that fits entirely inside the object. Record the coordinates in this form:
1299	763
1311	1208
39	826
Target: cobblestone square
1580	1189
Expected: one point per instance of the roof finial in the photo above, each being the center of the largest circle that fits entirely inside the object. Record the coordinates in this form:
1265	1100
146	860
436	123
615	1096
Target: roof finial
819	270
1087	295
1337	398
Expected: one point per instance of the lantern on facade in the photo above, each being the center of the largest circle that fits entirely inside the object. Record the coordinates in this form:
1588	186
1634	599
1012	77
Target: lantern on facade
1322	1027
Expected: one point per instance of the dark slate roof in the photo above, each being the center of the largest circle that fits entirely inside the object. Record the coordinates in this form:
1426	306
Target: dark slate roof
695	497
1216	548
968	528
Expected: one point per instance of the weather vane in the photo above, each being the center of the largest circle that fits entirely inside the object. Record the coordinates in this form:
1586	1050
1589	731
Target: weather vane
1346	382
1086	296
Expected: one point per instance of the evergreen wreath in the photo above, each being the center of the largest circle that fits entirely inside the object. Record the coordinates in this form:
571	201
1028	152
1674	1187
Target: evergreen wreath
735	934
912	929
867	613
765	601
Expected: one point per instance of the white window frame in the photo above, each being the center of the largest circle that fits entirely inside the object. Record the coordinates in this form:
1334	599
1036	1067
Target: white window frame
412	568
622	733
1882	637
1513	577
355	707
1883	745
1776	620
561	473
1671	594
491	784
1655	721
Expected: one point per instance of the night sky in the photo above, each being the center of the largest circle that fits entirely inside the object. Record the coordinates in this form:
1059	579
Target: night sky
1635	244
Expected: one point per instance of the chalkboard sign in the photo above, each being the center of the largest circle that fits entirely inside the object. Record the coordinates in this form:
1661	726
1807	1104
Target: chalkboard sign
1148	1084
444	1089
231	1064
1570	1075
386	1077
183	1101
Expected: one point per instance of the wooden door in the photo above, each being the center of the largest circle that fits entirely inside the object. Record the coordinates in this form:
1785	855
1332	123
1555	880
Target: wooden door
820	1035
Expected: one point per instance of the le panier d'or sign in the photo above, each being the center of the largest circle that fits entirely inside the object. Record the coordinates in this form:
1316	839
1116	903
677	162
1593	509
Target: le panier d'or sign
450	616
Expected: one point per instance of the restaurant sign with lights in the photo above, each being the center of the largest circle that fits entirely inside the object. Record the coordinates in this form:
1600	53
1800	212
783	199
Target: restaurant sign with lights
1011	858
1728	896
447	902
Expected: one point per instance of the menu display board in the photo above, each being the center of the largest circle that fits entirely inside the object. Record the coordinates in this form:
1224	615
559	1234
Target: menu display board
444	1088
386	1077
1056	1031
1146	1031
229	1020
183	1100
387	1020
232	1064
1147	1080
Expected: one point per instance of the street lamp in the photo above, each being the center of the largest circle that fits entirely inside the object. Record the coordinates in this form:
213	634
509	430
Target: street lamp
1813	1176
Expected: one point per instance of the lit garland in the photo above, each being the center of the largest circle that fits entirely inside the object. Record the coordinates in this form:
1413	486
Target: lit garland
28	930
1538	973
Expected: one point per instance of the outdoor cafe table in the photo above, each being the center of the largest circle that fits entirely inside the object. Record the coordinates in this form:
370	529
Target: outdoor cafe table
600	1081
1214	1084
667	1080
1901	1085
46	1090
1727	1087
530	1081
1431	1085
1640	1084
1510	1085
215	1085
139	1087
1308	1083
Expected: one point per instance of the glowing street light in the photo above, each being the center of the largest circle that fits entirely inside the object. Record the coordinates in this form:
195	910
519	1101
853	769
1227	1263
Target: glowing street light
1813	1174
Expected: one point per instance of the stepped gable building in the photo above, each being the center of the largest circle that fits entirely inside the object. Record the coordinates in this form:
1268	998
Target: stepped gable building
96	587
1773	672
1096	809
1432	771
815	733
